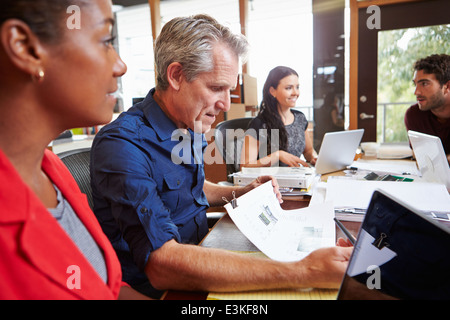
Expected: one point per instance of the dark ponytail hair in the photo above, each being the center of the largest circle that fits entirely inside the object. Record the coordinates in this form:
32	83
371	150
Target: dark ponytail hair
269	106
44	17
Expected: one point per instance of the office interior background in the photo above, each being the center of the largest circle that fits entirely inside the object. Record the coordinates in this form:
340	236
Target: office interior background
347	47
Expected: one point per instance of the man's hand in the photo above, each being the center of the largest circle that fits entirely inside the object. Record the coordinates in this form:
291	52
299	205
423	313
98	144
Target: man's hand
325	267
259	181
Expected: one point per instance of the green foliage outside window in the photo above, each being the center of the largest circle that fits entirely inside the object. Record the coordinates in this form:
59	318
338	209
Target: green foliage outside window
398	50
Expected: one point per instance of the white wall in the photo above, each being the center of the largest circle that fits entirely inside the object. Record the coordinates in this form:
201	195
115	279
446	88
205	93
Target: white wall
280	33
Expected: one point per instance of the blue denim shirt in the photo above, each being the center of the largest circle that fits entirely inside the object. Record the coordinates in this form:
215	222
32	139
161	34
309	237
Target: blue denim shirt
147	184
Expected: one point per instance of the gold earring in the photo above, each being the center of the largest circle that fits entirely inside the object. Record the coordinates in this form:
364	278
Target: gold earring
39	77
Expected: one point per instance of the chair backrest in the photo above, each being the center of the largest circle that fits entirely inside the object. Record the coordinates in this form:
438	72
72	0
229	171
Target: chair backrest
78	163
230	144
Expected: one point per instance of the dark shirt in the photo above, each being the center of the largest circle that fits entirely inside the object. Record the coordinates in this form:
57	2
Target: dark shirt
295	132
426	122
147	184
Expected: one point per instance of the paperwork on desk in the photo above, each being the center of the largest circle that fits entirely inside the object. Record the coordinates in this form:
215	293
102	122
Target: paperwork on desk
372	255
356	194
287	177
283	235
394	151
402	167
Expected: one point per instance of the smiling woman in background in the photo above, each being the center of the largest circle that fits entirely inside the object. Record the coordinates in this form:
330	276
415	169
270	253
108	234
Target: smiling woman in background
53	78
263	146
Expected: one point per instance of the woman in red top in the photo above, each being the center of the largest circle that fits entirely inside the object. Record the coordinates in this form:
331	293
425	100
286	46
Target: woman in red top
59	71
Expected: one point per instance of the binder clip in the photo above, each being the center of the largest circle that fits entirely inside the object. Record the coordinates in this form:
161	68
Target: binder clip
380	243
233	201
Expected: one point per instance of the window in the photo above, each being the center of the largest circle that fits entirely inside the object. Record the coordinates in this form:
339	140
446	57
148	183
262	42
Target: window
280	33
398	50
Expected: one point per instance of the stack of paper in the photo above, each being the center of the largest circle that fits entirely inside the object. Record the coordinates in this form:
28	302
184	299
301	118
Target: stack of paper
278	294
394	151
402	167
288	177
356	194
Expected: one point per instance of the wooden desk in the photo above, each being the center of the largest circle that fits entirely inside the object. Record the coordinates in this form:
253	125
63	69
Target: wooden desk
225	235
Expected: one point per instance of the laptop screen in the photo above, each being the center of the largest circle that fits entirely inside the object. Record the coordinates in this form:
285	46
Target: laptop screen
431	158
399	254
338	150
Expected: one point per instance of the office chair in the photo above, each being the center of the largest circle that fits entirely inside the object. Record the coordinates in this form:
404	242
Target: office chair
78	163
230	149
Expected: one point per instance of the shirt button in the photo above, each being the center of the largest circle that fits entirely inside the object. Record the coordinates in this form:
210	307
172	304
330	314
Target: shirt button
178	182
144	210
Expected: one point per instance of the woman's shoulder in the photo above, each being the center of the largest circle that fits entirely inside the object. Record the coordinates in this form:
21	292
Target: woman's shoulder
257	122
298	113
299	116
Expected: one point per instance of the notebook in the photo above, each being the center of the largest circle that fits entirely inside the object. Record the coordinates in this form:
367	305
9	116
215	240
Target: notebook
338	150
400	253
430	157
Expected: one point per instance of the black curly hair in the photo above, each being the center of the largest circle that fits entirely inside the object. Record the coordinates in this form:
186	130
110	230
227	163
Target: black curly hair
437	64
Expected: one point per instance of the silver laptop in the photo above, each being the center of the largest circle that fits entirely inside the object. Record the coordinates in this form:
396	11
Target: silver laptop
430	157
400	253
338	150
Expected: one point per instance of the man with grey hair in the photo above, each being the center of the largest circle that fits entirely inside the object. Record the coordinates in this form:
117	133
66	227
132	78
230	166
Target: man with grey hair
151	201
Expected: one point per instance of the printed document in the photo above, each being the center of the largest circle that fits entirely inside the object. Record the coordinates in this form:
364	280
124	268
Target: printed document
372	256
400	167
424	196
283	235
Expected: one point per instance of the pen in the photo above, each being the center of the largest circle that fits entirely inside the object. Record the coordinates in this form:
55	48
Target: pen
345	231
350	210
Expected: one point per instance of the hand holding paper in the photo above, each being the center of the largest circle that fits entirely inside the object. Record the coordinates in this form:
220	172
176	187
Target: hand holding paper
283	235
262	180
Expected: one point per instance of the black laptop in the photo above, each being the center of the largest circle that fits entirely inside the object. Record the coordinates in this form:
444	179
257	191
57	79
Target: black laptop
400	253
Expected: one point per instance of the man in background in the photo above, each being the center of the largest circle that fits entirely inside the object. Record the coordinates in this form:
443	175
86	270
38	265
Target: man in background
431	113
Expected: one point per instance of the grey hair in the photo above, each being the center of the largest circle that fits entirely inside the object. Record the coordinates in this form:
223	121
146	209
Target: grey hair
189	41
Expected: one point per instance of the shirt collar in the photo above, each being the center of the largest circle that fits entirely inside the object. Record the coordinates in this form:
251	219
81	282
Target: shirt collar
160	122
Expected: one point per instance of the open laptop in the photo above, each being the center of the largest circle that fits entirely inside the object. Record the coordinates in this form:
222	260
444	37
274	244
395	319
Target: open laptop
430	157
338	150
400	253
